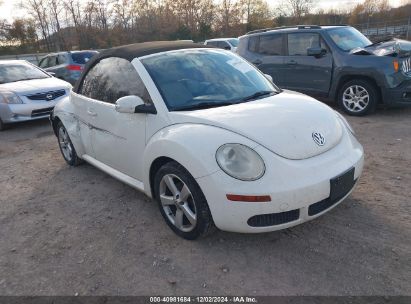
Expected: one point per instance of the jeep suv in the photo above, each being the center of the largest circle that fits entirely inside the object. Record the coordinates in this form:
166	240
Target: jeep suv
335	62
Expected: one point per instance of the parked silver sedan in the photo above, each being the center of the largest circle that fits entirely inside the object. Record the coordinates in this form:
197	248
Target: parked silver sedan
27	92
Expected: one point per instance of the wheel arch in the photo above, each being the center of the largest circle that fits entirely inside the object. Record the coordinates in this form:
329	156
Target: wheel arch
348	77
185	144
54	122
155	166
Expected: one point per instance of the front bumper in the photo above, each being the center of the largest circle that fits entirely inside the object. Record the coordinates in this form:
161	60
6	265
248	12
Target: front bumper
400	95
12	113
293	185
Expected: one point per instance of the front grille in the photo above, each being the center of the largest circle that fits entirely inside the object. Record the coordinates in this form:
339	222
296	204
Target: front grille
41	112
406	66
327	203
273	219
47	95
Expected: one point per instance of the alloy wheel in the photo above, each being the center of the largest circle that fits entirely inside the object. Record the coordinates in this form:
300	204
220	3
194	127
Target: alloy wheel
356	98
178	203
65	144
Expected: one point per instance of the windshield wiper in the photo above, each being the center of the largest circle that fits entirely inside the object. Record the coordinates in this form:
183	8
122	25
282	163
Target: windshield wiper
257	95
206	105
203	105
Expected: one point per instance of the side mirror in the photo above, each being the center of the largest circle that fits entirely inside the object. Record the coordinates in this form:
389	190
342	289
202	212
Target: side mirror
316	52
269	77
133	104
228	48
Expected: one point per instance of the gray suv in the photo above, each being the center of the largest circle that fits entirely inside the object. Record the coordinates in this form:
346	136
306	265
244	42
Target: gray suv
335	62
66	65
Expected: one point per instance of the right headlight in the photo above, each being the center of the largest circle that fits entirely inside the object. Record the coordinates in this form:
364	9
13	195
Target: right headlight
9	97
240	162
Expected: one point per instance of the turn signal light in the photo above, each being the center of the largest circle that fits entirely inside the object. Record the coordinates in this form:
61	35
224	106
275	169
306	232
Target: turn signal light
249	198
396	65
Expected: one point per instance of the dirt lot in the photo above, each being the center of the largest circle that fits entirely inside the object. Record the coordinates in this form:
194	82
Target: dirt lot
67	231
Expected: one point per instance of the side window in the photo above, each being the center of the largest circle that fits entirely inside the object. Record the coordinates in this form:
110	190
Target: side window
223	44
52	61
253	43
111	79
298	43
271	44
44	62
324	45
212	43
61	59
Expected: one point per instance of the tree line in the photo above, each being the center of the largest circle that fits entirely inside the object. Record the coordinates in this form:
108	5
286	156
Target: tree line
52	25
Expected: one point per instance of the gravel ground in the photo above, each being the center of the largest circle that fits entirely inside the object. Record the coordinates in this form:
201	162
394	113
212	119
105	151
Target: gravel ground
68	231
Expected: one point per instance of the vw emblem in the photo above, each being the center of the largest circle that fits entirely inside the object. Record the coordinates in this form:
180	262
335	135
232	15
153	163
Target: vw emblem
318	138
49	96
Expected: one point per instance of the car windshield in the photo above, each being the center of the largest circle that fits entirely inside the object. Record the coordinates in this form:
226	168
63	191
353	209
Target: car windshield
348	38
82	57
20	71
193	79
233	42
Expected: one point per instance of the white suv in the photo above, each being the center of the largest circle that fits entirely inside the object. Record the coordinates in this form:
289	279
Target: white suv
223	43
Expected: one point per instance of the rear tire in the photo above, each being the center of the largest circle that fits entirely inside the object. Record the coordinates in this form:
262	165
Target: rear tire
182	203
358	97
2	126
66	146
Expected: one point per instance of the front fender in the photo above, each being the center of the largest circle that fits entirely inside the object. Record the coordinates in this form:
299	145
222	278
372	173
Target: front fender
64	111
192	145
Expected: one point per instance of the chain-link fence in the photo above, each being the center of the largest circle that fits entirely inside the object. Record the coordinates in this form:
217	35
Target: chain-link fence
33	58
380	30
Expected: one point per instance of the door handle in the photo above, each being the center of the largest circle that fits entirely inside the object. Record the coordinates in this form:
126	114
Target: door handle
257	62
292	62
91	113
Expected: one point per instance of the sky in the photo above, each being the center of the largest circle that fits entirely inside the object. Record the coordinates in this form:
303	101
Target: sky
9	9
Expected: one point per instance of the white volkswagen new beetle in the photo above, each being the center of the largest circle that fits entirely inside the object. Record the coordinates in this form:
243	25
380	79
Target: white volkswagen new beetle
209	137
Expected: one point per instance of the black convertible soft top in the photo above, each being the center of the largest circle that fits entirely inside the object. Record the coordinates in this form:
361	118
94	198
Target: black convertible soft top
135	50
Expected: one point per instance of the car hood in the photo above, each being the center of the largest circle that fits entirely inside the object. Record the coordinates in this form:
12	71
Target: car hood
392	47
35	86
282	123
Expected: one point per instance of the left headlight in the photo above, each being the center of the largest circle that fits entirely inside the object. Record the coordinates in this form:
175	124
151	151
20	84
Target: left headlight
9	97
240	162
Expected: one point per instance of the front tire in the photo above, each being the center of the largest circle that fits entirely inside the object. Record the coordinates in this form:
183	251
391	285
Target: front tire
358	97
66	146
182	203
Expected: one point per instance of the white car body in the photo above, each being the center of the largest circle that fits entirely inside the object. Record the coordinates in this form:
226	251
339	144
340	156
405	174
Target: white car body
33	96
279	128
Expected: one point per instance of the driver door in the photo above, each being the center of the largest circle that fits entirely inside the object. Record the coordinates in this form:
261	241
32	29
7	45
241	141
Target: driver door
118	139
307	74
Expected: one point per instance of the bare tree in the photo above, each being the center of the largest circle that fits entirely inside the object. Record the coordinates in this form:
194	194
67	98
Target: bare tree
55	8
299	8
229	15
38	10
72	24
256	13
